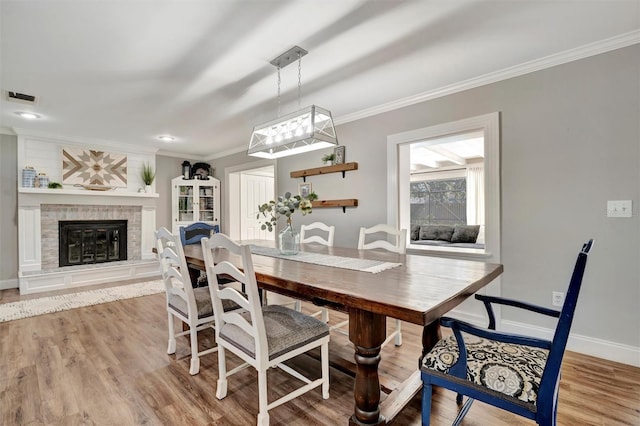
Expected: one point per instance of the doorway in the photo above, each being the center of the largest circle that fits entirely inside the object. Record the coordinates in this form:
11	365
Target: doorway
249	186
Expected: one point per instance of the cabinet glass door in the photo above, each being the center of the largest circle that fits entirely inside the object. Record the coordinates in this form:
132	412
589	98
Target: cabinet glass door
206	203
185	203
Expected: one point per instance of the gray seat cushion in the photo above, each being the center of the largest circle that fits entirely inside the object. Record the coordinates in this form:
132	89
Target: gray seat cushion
504	368
203	302
286	330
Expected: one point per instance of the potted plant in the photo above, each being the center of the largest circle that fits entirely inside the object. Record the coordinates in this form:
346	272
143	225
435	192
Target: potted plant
328	159
148	176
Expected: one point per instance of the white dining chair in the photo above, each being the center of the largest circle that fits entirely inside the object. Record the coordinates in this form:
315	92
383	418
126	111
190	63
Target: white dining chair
330	233
318	228
190	305
398	246
263	336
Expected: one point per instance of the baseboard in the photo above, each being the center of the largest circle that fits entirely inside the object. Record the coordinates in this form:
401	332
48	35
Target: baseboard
592	346
7	284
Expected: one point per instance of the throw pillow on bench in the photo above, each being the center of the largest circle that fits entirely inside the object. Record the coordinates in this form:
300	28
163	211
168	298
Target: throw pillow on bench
452	234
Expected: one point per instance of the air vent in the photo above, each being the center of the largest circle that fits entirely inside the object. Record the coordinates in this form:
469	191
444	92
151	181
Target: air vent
20	97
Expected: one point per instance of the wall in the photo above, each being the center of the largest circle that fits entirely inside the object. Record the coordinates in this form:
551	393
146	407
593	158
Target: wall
569	142
8	211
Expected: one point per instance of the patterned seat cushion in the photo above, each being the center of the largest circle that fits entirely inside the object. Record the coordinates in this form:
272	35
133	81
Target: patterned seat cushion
286	330
512	370
203	302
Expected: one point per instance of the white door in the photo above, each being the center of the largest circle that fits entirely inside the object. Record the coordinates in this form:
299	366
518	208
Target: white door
255	189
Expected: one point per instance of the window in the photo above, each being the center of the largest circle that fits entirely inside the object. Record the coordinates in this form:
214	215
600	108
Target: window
438	201
482	196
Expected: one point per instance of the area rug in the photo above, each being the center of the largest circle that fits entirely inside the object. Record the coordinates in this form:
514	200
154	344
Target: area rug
49	304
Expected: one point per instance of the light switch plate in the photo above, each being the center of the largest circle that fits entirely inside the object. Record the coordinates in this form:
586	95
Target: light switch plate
619	208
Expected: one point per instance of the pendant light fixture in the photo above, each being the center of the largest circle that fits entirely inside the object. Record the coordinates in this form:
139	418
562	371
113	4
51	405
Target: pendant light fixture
305	130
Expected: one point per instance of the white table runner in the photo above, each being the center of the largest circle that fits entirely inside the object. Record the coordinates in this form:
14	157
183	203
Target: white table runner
364	265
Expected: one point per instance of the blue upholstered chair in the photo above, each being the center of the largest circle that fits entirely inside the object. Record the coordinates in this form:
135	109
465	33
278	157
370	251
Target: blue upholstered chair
193	233
516	373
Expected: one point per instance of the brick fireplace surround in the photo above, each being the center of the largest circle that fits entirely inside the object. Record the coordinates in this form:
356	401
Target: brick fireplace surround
39	211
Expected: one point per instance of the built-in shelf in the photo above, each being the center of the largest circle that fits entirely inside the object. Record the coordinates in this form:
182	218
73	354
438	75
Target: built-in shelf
110	193
336	168
349	202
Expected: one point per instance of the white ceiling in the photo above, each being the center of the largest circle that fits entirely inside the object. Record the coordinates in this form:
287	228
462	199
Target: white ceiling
128	71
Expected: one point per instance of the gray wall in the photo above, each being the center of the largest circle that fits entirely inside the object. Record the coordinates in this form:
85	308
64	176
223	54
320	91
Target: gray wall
8	211
570	142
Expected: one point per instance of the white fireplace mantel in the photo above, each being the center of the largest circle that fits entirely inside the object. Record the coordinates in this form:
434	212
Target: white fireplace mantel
31	276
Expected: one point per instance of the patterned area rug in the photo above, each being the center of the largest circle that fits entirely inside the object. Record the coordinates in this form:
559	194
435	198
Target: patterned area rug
49	304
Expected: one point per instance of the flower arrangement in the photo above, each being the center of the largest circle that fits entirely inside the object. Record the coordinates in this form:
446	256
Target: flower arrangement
285	206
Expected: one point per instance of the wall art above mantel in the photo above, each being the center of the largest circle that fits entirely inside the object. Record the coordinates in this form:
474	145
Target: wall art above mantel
92	167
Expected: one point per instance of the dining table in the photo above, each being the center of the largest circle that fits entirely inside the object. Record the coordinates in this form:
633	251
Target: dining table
369	285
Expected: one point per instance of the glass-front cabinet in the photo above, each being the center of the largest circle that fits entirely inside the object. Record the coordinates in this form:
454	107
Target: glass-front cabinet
195	200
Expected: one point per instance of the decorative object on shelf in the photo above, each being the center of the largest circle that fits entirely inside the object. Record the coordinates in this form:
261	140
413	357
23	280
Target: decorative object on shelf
29	177
328	159
288	238
89	167
305	130
339	154
304	189
186	170
148	176
200	171
42	181
54	185
95	187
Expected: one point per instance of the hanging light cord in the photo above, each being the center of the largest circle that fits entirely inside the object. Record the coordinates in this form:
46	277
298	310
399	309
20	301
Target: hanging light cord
299	80
278	90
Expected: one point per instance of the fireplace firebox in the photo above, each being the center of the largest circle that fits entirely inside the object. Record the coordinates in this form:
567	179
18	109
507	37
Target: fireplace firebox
84	242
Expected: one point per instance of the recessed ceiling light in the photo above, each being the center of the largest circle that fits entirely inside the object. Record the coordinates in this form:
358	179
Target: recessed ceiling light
28	115
166	138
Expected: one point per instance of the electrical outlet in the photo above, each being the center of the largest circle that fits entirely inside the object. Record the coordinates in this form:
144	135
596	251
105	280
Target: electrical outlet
557	298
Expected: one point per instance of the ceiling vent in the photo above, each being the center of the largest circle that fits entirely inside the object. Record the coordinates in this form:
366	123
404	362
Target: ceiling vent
20	97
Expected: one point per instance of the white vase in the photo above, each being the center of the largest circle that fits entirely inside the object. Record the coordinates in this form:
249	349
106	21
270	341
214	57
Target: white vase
289	240
148	189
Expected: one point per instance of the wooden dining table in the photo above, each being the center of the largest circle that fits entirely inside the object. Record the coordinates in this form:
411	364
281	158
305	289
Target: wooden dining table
420	290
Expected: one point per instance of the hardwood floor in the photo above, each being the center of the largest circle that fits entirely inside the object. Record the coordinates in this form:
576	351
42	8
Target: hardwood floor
107	365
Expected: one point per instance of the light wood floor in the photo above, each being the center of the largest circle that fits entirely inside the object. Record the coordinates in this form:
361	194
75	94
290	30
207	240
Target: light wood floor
107	365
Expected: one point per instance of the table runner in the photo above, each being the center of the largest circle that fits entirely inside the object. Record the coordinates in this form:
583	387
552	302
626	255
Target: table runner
364	265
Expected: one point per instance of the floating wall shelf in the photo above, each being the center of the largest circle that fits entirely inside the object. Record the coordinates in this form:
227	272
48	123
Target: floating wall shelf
349	202
324	170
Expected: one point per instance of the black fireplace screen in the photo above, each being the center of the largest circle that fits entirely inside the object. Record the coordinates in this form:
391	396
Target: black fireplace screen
90	241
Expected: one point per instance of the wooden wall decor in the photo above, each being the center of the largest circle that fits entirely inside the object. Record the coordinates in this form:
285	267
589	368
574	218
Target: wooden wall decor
89	167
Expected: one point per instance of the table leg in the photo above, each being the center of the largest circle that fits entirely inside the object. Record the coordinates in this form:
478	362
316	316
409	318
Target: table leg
367	332
431	334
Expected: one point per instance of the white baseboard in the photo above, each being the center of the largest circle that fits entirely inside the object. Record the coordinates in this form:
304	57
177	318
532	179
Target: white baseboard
592	346
7	284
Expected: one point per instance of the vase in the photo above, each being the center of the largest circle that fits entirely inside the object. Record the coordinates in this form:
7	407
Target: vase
289	240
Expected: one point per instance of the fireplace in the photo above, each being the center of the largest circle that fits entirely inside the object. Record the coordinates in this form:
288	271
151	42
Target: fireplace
84	242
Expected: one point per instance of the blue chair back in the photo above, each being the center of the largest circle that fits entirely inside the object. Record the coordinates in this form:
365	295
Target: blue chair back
193	233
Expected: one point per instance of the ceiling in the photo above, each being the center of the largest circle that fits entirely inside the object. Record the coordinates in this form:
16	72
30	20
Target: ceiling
129	71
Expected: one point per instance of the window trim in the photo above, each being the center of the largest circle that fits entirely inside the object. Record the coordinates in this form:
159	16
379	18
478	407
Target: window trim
398	177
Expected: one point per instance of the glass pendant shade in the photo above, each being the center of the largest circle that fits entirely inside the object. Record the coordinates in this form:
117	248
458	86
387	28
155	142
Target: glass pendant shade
305	130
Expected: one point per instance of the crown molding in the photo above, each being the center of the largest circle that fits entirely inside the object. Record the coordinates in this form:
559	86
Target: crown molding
6	131
221	154
592	49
